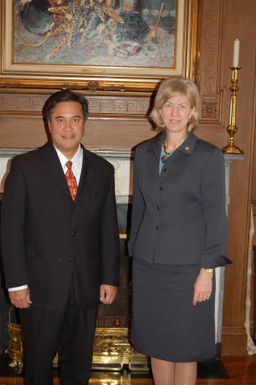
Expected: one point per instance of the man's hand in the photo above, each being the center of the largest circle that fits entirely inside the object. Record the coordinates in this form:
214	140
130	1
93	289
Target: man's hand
20	298
202	287
107	294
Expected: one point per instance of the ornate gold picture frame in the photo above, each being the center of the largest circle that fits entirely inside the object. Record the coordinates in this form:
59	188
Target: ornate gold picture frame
125	45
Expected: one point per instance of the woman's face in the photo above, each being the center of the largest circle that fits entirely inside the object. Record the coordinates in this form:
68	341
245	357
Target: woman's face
176	113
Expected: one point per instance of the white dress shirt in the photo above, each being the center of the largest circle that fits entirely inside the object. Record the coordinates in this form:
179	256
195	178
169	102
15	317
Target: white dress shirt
77	163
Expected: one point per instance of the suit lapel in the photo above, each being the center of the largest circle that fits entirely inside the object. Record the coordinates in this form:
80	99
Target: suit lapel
54	169
86	174
87	184
154	150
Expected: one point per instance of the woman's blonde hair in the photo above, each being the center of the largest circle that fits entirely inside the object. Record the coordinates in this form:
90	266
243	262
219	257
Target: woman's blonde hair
175	87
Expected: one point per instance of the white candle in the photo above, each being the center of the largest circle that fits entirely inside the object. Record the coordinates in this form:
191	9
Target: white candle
236	53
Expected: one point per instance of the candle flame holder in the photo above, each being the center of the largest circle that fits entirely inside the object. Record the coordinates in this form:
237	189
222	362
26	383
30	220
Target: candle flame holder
231	148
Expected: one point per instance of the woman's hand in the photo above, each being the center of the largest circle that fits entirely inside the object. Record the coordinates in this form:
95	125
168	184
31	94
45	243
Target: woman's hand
202	287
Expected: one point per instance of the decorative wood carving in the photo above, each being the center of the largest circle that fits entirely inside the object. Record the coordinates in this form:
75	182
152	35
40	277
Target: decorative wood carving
209	110
21	103
118	105
211	19
33	103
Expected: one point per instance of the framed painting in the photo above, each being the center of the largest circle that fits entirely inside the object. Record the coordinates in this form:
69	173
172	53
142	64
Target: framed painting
96	44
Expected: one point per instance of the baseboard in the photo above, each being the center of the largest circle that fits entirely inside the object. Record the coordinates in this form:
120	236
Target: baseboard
234	342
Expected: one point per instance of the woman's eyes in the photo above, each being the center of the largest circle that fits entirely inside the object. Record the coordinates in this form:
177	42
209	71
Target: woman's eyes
179	106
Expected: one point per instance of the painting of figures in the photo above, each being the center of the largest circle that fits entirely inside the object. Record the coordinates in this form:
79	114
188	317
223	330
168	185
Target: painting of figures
105	44
119	33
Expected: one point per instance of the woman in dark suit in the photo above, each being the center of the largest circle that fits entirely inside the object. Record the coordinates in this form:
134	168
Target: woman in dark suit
178	237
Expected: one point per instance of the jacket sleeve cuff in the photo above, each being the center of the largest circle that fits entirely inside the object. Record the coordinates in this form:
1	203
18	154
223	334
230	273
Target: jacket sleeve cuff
212	261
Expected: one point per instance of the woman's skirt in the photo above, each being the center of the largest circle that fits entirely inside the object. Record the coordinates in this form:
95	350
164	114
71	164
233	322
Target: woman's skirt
166	325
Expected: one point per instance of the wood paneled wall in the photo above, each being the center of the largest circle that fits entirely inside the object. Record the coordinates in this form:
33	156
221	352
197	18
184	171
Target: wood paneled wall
120	121
238	21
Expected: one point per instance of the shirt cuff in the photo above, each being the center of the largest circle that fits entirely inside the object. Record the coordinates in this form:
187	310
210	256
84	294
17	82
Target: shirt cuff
18	288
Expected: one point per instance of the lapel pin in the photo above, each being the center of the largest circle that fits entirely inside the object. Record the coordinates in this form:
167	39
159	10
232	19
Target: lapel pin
187	148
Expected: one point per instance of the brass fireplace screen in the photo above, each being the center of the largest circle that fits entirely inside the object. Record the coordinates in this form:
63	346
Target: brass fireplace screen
112	350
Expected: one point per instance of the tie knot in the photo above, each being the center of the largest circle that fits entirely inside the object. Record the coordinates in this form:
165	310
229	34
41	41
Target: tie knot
69	165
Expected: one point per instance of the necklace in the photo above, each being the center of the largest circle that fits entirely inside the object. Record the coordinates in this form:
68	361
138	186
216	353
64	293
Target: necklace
167	154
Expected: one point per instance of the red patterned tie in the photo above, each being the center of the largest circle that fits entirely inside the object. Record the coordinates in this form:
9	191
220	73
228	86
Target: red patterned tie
71	180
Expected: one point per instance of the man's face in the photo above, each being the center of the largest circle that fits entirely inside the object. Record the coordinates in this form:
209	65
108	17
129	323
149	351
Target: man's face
67	126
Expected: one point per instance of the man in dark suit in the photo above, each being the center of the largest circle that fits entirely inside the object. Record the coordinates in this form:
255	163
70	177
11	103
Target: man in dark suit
60	246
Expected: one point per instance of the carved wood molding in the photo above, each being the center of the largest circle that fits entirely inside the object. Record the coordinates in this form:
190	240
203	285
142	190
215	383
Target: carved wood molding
21	103
210	48
119	105
99	105
254	207
234	330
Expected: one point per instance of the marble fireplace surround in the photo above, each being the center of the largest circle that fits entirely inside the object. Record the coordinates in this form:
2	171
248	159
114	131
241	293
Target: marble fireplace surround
122	160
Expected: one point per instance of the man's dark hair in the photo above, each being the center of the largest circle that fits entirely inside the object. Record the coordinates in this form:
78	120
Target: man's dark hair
64	96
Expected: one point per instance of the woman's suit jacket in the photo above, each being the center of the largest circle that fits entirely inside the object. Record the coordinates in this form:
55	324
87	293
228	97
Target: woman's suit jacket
49	240
179	216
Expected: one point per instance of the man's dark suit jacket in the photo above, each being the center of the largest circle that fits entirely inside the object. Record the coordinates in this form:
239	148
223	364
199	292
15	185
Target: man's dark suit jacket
179	217
47	239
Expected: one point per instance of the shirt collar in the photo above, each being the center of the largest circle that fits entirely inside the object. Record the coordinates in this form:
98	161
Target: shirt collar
76	160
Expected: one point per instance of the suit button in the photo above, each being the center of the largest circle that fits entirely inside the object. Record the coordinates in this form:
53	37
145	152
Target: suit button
161	188
73	233
157	207
157	227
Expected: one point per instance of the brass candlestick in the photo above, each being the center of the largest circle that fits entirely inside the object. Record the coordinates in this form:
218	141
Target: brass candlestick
231	148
